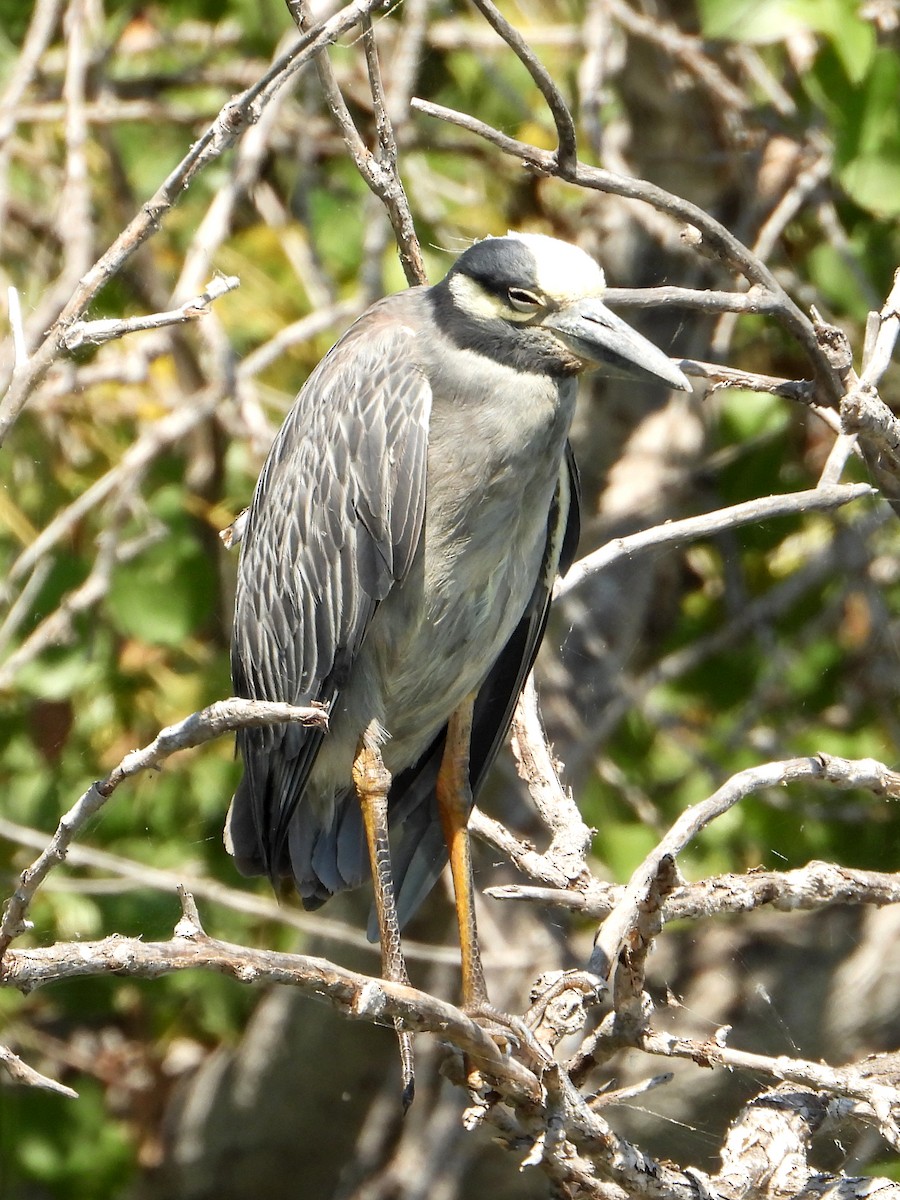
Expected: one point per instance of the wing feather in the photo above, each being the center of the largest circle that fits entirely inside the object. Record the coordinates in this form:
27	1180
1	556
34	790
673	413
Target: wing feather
335	522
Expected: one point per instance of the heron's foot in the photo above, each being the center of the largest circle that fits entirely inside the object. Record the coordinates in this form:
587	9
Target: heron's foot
474	1070
509	1032
560	1002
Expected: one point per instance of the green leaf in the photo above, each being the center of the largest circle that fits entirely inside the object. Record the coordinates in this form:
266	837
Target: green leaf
773	21
828	270
838	21
622	847
746	415
873	181
168	593
749	20
59	673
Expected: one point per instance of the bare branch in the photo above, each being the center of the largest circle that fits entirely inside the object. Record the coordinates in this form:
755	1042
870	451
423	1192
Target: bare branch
236	116
220	718
389	184
378	170
692	528
721	376
376	1000
571	838
95	333
127	873
802	391
883	1099
628	913
862	409
863	413
20	1072
799	186
767	1147
522	854
806	889
879	349
568	1138
529	1101
566	151
754	300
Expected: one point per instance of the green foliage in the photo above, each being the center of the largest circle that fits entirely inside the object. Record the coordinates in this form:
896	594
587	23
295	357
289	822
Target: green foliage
771	22
154	647
70	1149
852	85
169	594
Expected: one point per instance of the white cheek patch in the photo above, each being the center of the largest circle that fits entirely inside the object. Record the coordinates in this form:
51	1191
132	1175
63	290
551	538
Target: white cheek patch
564	272
472	298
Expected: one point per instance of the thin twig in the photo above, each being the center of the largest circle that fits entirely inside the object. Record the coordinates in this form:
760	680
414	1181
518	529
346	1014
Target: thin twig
237	115
691	528
20	1072
861	773
566	151
379	170
95	333
806	889
199	727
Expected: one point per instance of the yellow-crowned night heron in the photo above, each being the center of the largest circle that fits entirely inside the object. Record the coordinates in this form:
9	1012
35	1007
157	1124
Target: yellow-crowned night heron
397	564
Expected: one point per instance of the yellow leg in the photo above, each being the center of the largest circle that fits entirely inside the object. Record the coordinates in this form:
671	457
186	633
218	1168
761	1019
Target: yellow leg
454	796
373	782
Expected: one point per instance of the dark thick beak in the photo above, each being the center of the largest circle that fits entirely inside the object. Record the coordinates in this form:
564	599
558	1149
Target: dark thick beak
606	341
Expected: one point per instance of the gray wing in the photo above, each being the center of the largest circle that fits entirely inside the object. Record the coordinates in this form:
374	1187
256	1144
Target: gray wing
335	522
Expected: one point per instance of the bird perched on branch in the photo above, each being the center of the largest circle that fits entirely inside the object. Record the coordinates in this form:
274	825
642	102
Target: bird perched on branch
397	565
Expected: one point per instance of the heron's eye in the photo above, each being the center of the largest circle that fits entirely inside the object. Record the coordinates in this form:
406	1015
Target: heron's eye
522	300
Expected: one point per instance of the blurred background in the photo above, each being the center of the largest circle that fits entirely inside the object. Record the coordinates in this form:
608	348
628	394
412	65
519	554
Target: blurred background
660	677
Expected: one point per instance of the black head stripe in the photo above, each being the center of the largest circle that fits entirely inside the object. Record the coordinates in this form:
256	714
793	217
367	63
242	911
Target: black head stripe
498	264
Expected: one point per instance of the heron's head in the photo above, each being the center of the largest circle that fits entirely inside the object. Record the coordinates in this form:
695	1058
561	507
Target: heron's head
535	303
